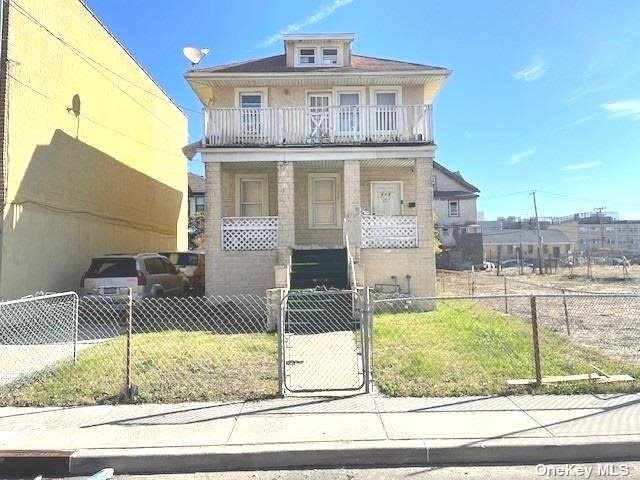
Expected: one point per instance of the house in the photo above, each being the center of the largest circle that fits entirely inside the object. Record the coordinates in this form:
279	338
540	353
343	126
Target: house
454	204
196	194
91	150
318	169
504	241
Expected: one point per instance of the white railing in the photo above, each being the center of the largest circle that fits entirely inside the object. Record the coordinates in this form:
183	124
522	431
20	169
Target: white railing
400	231
249	233
317	125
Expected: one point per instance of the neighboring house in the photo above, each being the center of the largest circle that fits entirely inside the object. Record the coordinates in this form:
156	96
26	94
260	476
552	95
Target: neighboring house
454	204
313	151
196	194
500	243
91	150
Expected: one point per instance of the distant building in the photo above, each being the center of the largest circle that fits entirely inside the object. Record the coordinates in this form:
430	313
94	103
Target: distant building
196	194
454	206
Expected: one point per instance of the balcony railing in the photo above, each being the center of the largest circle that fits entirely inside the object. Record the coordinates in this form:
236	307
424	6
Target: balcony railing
370	124
398	231
249	233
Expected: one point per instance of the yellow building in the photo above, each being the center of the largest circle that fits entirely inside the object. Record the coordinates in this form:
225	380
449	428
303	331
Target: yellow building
91	150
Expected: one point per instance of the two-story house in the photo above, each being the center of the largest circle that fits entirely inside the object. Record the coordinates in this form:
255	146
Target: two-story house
318	169
454	205
196	194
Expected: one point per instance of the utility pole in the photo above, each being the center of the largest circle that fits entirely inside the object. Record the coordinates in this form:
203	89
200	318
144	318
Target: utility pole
601	218
535	208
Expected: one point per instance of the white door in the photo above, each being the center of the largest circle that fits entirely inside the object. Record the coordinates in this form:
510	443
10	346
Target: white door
386	198
318	115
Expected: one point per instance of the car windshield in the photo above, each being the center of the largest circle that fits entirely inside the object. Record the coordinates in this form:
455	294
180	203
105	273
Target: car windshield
112	267
182	259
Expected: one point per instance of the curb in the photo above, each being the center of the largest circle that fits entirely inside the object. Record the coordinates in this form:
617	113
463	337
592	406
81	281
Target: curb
361	454
35	462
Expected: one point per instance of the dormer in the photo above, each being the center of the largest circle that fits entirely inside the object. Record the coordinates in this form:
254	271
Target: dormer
318	50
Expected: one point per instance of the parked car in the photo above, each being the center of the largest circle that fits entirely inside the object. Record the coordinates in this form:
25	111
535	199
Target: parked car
191	264
516	263
147	274
488	266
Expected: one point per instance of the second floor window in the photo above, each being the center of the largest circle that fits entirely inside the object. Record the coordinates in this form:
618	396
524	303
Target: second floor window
386	119
349	112
454	210
329	56
251	113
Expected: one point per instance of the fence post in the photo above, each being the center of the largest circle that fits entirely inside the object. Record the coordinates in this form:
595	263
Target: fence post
129	383
366	324
506	300
536	344
280	332
566	311
75	329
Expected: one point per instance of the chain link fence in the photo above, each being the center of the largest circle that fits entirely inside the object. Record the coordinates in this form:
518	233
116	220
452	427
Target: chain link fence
61	350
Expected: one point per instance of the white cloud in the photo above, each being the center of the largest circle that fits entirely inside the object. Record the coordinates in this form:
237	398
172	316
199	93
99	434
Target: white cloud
518	157
534	71
623	108
580	166
315	17
579	178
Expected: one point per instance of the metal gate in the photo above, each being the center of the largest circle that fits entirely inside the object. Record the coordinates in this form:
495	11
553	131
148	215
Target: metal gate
322	341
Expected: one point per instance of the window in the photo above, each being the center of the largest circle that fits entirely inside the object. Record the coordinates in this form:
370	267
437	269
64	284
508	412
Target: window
199	201
567	248
324	202
386	114
529	249
453	208
499	248
445	231
154	266
329	56
349	112
434	183
307	56
545	249
251	113
510	249
252	198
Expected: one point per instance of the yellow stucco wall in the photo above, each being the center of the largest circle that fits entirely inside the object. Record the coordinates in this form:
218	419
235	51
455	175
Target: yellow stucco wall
111	179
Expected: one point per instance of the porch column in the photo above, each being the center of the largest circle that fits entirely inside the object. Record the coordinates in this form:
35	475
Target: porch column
286	212
424	212
351	188
213	220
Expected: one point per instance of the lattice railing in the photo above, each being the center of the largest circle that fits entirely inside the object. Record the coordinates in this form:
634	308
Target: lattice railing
399	231
249	233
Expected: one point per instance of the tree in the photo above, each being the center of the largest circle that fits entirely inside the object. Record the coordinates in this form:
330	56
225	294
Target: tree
196	231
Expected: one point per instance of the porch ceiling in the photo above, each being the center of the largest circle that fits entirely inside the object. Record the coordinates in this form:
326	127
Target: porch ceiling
388	163
330	164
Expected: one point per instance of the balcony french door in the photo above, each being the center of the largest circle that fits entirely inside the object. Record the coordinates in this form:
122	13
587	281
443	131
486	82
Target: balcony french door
319	115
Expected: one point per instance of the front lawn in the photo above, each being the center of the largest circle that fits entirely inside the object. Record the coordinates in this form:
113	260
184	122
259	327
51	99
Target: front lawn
171	366
466	349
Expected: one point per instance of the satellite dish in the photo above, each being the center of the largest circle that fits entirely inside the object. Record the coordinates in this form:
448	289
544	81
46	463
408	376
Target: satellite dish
195	55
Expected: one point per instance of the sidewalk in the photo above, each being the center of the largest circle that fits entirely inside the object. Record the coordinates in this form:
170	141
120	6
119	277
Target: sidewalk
363	430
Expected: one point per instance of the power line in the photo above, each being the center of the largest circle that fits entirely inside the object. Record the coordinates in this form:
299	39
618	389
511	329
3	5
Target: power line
592	200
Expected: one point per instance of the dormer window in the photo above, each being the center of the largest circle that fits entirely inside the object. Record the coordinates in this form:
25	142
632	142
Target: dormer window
329	56
307	56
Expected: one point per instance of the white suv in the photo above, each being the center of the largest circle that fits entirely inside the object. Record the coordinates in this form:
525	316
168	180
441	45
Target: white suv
146	274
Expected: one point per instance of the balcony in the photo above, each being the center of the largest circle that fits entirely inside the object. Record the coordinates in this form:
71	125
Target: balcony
316	126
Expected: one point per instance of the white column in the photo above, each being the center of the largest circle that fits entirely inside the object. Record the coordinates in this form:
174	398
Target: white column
286	211
352	210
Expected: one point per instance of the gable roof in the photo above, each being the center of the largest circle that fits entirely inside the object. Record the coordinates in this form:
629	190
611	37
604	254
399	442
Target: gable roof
455	176
359	63
196	183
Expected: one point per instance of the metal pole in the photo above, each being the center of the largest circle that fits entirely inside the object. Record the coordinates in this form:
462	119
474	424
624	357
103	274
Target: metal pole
566	311
535	208
536	344
129	383
76	302
366	323
506	300
281	332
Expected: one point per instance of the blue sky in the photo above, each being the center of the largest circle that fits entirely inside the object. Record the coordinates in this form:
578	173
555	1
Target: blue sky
545	94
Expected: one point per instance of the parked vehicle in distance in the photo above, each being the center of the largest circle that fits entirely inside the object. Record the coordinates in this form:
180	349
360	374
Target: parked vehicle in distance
148	275
516	263
191	264
487	266
618	261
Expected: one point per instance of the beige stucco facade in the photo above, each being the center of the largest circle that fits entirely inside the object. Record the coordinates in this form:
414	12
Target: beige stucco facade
92	152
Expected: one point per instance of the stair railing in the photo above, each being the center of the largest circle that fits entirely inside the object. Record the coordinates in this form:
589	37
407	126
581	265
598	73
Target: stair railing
353	281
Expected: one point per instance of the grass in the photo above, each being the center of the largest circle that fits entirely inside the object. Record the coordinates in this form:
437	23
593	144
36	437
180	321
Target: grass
466	349
170	366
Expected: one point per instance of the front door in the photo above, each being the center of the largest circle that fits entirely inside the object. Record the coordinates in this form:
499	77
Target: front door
386	198
318	115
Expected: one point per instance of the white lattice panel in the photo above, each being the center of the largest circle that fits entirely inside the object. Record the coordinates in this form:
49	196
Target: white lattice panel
389	232
249	233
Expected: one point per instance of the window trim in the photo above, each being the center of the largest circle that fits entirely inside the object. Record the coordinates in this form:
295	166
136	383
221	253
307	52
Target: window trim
299	54
373	91
457	202
361	91
337	49
338	204
375	182
240	177
196	204
263	92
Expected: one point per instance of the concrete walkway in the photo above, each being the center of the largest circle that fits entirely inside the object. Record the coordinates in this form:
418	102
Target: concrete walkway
363	430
